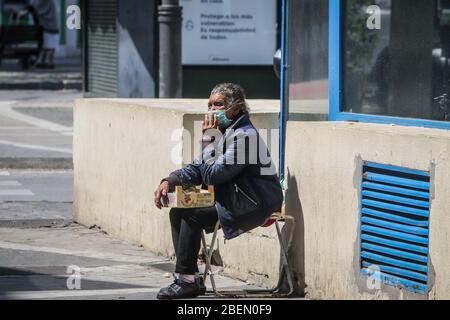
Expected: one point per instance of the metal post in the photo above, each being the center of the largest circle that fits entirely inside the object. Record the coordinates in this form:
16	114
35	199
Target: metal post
283	91
170	69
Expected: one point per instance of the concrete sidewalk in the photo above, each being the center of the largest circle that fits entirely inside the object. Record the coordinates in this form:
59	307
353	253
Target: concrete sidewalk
34	264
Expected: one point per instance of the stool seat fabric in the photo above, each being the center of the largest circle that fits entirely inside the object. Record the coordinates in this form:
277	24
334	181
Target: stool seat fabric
269	222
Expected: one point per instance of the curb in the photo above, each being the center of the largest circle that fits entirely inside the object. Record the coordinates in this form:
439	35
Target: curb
37	163
35	223
45	85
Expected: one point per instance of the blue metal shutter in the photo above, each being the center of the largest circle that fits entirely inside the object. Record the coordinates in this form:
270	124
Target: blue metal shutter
395	207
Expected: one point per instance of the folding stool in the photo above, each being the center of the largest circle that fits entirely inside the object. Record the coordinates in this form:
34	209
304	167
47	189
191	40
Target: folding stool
275	292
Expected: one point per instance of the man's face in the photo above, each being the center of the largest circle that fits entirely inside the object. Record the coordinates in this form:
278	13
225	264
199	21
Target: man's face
218	102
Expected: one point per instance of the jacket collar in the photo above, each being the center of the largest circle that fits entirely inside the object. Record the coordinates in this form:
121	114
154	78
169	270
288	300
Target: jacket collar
237	123
239	120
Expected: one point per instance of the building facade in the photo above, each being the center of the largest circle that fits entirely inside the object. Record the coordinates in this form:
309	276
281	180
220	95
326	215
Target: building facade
370	187
232	41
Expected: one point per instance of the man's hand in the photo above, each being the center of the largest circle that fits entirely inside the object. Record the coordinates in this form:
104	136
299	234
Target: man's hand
213	124
161	192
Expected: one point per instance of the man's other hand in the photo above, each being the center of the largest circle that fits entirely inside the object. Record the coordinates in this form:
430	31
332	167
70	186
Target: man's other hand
160	193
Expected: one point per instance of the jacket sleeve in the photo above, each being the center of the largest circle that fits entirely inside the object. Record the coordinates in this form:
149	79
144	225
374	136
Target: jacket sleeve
187	176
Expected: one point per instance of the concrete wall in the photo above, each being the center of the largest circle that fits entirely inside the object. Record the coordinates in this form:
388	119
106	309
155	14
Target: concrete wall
323	162
122	149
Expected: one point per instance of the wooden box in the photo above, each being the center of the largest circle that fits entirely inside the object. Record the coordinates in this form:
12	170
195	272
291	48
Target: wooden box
192	198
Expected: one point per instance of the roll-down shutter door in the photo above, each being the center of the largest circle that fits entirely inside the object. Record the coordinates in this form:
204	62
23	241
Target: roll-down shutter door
102	47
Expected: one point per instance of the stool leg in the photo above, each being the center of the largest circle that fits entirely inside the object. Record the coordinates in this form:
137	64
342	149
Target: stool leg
208	269
208	256
206	253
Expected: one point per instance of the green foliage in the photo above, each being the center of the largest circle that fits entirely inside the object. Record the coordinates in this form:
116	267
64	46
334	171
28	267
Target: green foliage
360	41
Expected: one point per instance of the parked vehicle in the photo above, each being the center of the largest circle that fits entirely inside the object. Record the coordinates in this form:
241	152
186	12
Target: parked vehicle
21	36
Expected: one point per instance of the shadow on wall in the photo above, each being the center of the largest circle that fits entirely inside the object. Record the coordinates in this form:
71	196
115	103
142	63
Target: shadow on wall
297	250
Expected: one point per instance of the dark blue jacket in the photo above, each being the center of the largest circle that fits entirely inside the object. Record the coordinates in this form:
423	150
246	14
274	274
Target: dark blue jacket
246	184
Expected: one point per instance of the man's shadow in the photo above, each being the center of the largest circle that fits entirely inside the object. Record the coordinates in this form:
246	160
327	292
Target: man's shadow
294	232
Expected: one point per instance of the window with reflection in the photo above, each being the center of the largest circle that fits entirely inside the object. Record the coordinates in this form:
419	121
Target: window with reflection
396	58
307	54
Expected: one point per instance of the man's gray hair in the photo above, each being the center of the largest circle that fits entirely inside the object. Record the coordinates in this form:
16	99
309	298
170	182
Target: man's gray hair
234	95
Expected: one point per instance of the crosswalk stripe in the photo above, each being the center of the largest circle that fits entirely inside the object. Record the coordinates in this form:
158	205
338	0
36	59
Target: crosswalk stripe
9	112
9	183
34	147
16	192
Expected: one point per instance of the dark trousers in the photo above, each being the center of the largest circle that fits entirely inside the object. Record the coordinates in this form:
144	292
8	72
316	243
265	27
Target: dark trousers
187	225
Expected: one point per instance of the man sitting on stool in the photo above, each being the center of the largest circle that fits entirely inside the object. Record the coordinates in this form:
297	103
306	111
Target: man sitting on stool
236	161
